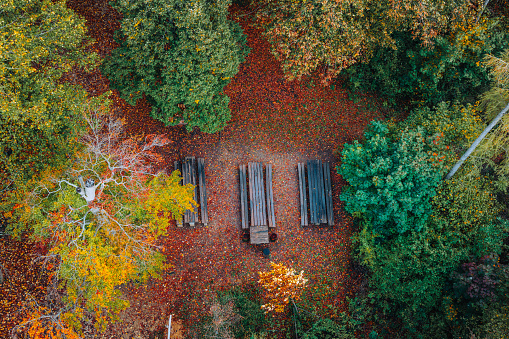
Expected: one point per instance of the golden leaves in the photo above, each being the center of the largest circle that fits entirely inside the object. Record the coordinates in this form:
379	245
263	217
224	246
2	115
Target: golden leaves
107	242
281	285
167	199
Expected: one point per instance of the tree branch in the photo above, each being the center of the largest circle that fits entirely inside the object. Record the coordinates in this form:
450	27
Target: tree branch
476	142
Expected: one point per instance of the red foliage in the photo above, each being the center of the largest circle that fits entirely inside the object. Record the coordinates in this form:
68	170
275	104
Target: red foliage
22	275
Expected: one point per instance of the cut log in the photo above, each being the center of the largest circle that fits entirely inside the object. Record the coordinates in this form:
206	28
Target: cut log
270	196
243	197
328	193
203	191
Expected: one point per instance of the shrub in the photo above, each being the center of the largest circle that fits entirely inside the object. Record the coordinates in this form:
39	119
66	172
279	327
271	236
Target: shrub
495	323
392	179
326	329
248	304
479	298
408	273
465	211
475	283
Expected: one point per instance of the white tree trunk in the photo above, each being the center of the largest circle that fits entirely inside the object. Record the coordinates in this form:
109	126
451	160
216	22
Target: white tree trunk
87	192
477	142
3	274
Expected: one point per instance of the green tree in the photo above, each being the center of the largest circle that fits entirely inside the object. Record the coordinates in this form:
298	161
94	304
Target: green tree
392	178
327	329
495	320
248	301
450	71
493	101
40	41
410	272
101	218
489	151
307	34
475	283
180	55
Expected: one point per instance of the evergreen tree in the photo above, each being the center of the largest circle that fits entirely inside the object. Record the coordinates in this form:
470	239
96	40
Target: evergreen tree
180	55
392	178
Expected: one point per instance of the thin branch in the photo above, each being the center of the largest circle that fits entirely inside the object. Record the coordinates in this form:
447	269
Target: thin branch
476	142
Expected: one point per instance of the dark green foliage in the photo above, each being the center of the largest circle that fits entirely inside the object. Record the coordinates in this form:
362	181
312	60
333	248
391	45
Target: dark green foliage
474	284
360	311
495	319
447	72
479	292
410	272
180	55
326	329
422	276
392	179
309	325
411	263
479	299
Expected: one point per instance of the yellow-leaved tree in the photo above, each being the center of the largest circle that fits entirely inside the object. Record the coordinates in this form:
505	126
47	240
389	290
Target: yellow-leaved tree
282	284
40	42
101	218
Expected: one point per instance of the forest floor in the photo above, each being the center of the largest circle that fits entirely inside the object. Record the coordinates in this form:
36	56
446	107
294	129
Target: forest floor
274	122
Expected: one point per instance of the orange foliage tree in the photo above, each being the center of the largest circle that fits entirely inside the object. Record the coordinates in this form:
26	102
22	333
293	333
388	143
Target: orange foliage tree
101	217
305	34
281	284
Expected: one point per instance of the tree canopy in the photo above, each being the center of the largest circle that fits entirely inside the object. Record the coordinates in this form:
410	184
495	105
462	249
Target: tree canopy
415	74
39	114
179	55
493	101
307	34
410	271
392	178
101	218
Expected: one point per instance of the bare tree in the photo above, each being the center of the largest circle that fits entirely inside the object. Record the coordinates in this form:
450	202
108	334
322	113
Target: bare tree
102	217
